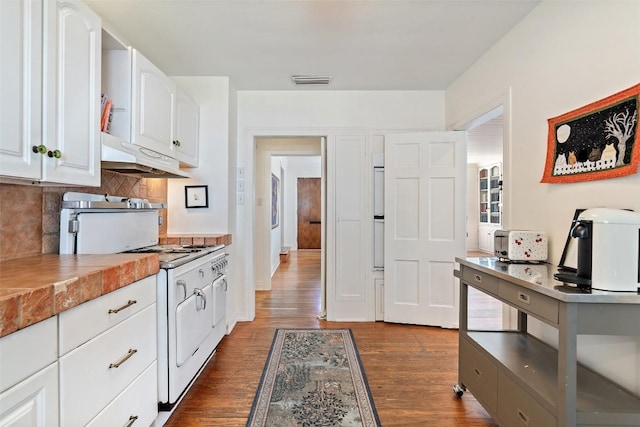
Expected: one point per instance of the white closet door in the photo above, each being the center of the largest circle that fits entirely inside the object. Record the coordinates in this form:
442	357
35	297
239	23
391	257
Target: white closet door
348	296
425	180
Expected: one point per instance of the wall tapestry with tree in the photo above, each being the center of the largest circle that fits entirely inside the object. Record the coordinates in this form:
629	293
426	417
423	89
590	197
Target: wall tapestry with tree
597	141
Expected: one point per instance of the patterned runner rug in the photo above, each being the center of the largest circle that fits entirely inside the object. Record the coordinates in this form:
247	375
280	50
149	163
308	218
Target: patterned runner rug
313	378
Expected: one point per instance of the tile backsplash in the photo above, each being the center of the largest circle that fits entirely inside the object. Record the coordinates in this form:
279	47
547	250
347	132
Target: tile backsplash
30	215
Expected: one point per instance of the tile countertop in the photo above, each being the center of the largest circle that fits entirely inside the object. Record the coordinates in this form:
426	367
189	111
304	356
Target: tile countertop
196	239
35	288
539	278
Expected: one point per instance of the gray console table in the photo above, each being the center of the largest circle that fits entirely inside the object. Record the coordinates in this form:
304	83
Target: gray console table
522	381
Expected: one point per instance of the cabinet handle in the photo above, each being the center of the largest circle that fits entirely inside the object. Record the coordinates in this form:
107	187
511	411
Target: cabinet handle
128	304
478	278
55	153
524	298
126	357
132	419
478	373
184	287
523	417
201	294
39	149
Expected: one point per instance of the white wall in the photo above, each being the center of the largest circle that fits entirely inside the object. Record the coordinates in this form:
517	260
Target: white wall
212	94
561	56
276	233
317	113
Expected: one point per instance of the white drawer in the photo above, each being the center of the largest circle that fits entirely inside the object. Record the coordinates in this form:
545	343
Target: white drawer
87	320
137	404
88	378
26	351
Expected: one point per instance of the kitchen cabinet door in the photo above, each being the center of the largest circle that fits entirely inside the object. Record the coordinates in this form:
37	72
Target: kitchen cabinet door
33	402
485	238
71	95
153	107
187	129
20	88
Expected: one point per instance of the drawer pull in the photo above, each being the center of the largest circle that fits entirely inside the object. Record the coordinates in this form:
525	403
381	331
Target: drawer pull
478	373
132	419
128	304
126	357
524	298
478	278
523	417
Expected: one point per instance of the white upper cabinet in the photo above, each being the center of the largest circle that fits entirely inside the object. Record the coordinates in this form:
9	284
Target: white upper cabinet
148	109
20	88
187	129
72	93
61	78
153	109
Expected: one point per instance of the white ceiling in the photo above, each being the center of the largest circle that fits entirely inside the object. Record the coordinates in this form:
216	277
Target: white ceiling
363	44
484	142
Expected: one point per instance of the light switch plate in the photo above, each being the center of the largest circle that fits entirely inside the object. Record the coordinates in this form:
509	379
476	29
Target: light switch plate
240	185
240	173
240	198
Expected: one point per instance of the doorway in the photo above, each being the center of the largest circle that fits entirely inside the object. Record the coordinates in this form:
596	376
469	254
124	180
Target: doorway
283	160
488	150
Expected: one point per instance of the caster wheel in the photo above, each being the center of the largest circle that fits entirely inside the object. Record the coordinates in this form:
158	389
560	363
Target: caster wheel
458	390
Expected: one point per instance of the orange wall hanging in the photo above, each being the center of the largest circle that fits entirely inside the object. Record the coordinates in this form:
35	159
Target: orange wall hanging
597	141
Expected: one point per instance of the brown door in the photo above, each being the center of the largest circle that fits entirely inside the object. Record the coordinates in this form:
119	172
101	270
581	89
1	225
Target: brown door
309	213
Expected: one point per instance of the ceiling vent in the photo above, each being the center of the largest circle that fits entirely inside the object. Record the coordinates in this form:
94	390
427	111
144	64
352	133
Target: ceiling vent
311	80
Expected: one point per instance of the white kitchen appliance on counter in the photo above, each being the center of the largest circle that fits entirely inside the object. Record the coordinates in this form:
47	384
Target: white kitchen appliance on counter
608	251
520	245
191	283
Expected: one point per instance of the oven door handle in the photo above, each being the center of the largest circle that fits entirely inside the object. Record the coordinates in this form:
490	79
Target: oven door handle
184	287
199	293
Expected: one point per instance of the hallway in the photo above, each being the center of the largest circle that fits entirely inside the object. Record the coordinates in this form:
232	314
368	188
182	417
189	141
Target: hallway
410	368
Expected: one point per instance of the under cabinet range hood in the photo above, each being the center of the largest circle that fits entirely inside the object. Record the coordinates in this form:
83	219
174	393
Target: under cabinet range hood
131	159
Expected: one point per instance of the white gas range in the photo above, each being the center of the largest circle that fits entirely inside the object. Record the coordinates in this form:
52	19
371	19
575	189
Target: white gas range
191	282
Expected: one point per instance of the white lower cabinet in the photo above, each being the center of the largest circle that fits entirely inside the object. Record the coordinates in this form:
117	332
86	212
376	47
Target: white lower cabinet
95	373
29	376
32	402
95	363
485	238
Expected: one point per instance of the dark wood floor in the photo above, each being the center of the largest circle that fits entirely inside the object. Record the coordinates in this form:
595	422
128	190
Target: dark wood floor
410	369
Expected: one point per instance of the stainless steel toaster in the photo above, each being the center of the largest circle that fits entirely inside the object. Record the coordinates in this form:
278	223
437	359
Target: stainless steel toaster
520	245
